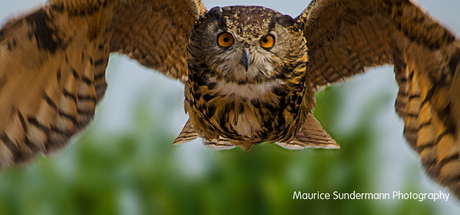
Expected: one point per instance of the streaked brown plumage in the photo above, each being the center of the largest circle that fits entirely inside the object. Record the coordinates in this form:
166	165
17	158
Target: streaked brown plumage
60	52
238	89
266	101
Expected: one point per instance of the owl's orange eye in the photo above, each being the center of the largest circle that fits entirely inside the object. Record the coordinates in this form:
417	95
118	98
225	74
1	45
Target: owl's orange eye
267	41
225	39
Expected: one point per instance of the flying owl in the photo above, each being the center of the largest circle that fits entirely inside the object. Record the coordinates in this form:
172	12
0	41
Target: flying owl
250	73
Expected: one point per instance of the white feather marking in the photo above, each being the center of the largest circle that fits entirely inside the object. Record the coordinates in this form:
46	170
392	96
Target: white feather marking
248	91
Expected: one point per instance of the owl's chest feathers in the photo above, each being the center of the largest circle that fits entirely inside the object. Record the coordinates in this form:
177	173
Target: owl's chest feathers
244	116
247	91
253	112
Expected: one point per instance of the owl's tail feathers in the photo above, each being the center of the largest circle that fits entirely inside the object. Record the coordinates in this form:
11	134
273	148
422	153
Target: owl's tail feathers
429	103
188	134
219	144
311	135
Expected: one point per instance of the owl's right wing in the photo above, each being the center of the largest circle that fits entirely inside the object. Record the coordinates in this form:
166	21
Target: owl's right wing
52	64
345	37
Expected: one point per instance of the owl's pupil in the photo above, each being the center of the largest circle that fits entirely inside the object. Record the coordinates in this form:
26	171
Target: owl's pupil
265	40
226	39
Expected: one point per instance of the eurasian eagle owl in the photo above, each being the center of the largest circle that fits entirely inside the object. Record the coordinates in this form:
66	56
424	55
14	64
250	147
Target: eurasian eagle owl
250	73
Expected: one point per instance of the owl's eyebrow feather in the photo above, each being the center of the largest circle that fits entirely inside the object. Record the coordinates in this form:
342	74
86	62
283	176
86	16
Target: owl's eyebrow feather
284	20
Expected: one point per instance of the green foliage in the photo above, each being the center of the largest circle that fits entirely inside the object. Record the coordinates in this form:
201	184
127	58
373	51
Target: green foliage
141	173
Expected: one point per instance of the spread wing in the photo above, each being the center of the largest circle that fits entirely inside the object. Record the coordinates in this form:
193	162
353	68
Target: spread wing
345	37
52	64
155	32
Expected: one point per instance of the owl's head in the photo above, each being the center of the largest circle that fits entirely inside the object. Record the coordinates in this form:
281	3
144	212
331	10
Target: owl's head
246	44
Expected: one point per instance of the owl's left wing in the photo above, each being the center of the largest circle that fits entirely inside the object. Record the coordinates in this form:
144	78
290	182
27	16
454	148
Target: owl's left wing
155	32
345	37
53	61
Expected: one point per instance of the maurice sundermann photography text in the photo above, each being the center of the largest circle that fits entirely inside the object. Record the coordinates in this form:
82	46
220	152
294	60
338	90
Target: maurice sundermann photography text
374	196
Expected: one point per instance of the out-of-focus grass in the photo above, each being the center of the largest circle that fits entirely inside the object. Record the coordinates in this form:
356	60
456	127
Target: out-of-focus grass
141	173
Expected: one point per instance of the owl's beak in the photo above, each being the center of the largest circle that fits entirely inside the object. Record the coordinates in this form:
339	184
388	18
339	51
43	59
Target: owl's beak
246	60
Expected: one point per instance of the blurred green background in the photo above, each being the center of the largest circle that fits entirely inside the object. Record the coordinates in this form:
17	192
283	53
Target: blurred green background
124	162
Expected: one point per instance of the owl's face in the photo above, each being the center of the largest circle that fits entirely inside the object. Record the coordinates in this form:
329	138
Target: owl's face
245	44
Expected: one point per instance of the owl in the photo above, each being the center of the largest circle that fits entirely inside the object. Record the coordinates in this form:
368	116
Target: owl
250	73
